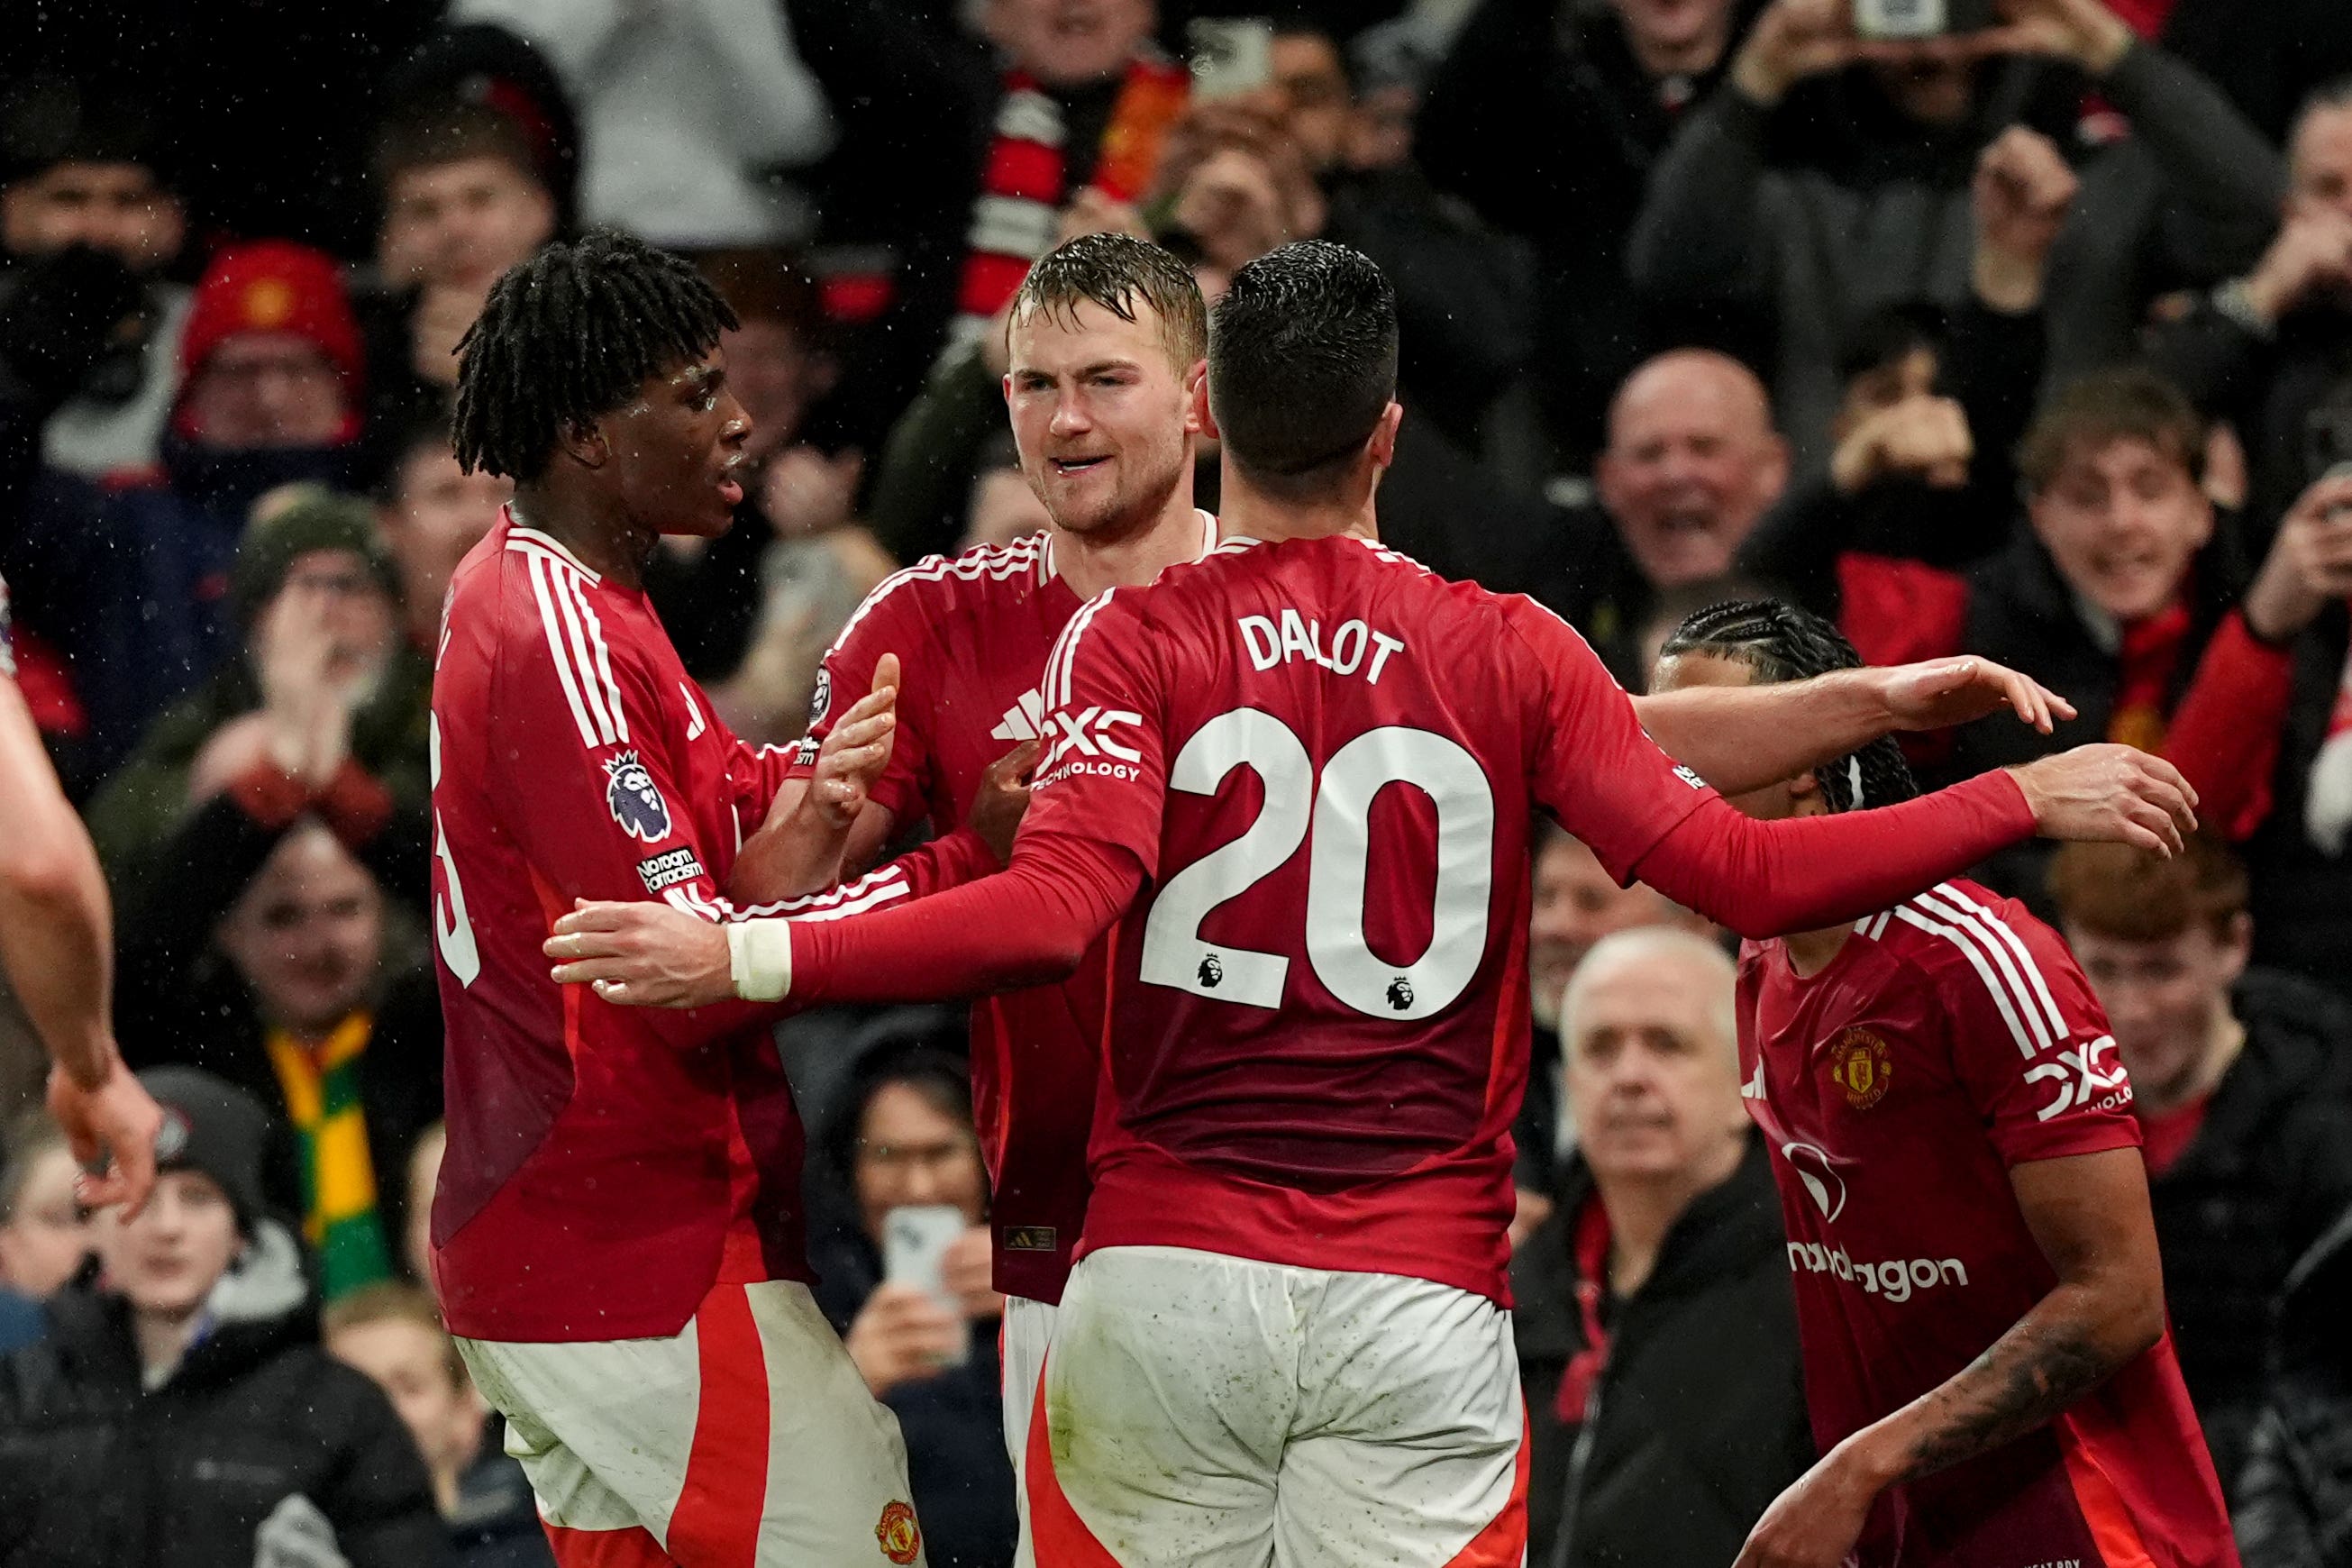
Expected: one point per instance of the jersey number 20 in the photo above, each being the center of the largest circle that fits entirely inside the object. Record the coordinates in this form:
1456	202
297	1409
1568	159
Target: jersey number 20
1338	805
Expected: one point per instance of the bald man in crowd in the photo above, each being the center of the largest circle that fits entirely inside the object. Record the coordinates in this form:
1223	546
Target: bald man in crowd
1692	463
1654	1305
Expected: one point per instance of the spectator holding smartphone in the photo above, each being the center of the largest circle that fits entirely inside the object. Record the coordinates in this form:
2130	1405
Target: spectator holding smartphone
901	1137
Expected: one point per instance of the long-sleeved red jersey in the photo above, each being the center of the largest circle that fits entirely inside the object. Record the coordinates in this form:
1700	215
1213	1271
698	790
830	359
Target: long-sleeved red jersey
606	1165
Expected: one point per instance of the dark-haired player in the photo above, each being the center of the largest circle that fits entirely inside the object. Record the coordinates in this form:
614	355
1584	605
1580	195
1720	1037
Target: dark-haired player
616	1233
1299	775
1977	1287
1107	338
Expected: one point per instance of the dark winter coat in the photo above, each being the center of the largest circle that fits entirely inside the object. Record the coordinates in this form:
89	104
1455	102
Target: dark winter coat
1698	1420
98	1472
2293	1506
2268	1170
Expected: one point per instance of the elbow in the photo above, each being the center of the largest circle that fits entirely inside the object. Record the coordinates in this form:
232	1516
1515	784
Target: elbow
47	876
1053	958
2139	1322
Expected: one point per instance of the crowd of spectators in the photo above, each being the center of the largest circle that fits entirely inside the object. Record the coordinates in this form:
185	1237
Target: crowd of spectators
2033	343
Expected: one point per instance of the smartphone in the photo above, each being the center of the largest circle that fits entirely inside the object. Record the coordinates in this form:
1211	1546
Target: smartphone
915	1241
1886	21
1232	56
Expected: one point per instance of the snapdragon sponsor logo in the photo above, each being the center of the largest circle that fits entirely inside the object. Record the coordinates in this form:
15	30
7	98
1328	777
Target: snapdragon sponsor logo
1895	1280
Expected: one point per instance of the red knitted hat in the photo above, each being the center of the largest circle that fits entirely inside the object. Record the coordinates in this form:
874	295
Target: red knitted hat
273	286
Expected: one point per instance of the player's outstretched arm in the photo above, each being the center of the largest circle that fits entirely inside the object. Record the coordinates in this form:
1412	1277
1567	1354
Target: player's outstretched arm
1769	879
2089	1214
1029	925
820	828
56	937
1742	738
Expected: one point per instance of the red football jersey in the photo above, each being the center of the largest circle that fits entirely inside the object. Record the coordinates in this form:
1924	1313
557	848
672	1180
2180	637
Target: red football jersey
606	1165
1951	1038
971	634
1327	761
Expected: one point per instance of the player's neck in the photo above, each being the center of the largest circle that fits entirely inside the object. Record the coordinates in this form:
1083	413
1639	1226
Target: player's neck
1246	511
591	524
1811	952
1091	563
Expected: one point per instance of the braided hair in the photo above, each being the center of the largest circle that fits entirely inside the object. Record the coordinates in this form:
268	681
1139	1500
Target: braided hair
1780	642
570	335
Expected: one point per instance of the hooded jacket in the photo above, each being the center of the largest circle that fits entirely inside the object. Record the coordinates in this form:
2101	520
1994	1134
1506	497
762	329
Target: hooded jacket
99	1471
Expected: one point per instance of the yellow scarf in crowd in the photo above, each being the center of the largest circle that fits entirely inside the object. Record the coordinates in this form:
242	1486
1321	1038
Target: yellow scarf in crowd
321	1085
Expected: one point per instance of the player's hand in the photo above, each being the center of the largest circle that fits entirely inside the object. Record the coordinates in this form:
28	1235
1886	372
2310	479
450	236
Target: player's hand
642	955
1004	797
900	1334
2309	564
2110	794
1942	692
1816	1522
111	1130
856	749
967	1269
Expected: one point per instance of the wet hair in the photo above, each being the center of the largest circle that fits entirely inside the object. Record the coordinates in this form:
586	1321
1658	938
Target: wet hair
1302	364
2108	407
1782	643
1117	272
569	335
2131	895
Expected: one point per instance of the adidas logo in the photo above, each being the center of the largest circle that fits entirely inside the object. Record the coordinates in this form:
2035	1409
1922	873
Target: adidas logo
1024	720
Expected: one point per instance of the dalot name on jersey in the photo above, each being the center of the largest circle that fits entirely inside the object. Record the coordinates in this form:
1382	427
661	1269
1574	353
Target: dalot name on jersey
1270	643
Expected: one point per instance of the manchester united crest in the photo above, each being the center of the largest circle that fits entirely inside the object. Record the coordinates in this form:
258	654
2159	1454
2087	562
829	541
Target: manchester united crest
900	1537
1861	1065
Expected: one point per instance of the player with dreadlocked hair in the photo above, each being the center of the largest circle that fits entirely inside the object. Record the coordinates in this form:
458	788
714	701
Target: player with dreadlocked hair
1780	642
617	1240
1979	1296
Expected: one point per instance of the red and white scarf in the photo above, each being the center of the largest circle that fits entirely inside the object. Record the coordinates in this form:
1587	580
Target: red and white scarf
1023	187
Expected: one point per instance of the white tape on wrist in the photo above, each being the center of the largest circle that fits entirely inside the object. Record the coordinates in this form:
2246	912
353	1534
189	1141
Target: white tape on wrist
760	959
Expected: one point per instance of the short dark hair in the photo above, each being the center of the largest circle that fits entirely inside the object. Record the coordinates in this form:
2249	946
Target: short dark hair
418	430
1891	334
451	131
1780	642
1302	362
2107	407
1115	271
2131	895
568	335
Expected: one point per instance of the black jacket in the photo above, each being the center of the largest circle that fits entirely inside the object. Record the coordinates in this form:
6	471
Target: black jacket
2269	1170
2021	613
1698	1420
96	1472
2293	1507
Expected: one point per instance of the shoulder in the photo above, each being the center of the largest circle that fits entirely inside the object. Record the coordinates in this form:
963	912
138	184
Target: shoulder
946	583
1967	945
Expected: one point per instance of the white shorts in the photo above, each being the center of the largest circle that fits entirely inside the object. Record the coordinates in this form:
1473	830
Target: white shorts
1028	1330
746	1440
1218	1412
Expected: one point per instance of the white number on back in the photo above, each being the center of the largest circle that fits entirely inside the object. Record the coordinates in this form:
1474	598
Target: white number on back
1340	810
453	933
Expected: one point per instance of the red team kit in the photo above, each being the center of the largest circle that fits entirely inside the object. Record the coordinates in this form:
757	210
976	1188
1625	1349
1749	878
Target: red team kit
1282	825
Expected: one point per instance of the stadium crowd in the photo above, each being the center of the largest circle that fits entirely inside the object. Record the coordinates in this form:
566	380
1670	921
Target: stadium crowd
2034	343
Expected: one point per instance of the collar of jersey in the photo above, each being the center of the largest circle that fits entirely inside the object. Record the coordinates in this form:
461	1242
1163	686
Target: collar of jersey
518	537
